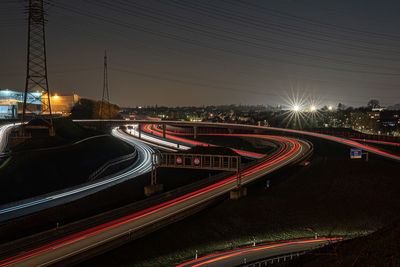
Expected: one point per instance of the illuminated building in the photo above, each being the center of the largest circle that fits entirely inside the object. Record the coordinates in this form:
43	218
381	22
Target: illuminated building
11	103
62	104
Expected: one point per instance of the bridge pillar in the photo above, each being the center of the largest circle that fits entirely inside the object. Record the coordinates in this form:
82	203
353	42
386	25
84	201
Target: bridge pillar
140	130
195	132
152	189
163	129
238	193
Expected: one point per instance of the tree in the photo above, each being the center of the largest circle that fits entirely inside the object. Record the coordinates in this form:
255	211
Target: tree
341	106
90	109
84	109
373	103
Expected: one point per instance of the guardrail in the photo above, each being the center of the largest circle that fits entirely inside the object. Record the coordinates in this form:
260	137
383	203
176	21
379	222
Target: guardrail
110	163
283	257
26	243
274	260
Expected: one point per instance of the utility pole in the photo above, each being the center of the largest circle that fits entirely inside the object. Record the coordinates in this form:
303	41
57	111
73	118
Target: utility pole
105	100
36	84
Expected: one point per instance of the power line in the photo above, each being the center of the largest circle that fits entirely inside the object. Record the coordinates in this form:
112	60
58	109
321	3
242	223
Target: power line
257	8
239	38
197	43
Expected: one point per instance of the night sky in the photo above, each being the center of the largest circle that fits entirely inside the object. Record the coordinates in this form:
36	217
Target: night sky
182	52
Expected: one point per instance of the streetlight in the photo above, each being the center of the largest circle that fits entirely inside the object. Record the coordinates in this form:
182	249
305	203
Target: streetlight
330	108
313	108
296	108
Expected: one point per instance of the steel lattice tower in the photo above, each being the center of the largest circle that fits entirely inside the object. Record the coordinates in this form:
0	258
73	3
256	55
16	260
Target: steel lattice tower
36	85
105	109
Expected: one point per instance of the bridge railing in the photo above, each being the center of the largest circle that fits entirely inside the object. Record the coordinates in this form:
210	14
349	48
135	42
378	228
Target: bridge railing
112	162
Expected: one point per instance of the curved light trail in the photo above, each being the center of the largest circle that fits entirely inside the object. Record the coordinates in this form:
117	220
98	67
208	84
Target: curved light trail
170	135
242	126
152	140
143	165
4	131
261	251
290	150
376	141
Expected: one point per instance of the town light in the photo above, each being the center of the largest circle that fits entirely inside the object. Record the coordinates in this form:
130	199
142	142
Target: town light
296	108
313	108
330	108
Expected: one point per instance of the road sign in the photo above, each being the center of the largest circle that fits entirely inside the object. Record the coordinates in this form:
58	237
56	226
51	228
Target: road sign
355	153
196	161
179	160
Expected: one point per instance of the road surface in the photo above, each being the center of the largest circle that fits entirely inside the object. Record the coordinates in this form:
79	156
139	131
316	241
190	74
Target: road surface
4	131
157	132
24	207
290	151
344	141
249	254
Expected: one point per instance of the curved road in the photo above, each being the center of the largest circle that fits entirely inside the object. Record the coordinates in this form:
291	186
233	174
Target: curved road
237	257
31	205
157	132
4	131
290	151
340	140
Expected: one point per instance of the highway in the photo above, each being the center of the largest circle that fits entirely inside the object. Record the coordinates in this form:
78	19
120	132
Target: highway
24	207
343	141
376	142
340	140
237	257
156	142
290	151
147	128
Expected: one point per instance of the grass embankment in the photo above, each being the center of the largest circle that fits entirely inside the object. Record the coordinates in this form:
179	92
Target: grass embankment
333	195
66	131
34	168
381	248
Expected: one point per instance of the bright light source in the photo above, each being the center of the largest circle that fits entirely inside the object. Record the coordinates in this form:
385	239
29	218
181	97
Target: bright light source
296	108
330	108
55	97
313	108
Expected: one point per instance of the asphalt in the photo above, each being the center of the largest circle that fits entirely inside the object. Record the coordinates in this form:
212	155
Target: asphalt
258	252
291	151
142	165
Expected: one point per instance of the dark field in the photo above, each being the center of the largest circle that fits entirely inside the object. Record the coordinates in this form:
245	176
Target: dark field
333	195
53	168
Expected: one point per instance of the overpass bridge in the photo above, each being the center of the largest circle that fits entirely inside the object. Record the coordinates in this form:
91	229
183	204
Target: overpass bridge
231	127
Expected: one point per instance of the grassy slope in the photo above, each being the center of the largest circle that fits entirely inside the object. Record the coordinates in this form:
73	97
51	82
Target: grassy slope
381	248
66	132
333	195
53	169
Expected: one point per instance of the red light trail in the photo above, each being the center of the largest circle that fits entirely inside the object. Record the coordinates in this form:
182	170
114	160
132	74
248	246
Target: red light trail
234	252
284	152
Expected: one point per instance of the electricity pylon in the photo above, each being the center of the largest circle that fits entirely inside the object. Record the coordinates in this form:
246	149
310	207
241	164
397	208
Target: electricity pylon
36	84
105	109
